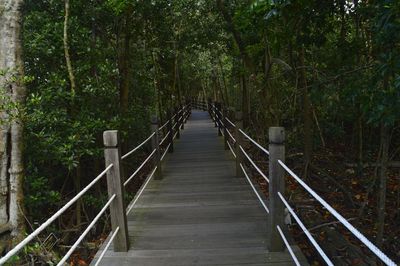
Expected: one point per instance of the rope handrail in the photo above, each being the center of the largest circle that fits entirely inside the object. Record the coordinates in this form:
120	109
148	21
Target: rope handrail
83	235
341	219
289	248
254	142
307	233
107	246
164	125
230	122
230	147
254	189
253	163
138	147
44	225
230	135
141	191
165	152
140	167
165	137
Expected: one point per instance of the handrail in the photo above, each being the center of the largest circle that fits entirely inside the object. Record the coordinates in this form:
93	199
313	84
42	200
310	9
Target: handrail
309	236
341	219
165	124
35	233
114	234
140	167
254	189
165	137
253	163
383	257
137	147
254	142
83	235
289	248
141	191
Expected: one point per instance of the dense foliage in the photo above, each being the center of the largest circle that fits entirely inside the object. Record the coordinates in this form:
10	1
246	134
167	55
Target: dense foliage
326	70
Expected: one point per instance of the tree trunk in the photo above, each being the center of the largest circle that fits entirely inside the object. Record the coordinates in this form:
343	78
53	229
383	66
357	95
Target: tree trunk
66	49
385	142
307	119
123	62
11	131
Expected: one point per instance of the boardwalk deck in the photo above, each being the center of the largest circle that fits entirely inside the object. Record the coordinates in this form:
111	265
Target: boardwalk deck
200	213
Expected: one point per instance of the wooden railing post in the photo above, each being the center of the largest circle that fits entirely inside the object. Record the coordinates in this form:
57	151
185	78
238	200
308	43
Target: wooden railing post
239	142
171	131
112	154
219	117
276	184
177	128
226	136
215	115
182	117
155	145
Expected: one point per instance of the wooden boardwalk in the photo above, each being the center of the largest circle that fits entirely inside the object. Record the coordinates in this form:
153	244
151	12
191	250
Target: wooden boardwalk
200	213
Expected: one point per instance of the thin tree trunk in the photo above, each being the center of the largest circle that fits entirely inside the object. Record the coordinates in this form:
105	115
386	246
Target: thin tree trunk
66	48
11	131
123	62
307	118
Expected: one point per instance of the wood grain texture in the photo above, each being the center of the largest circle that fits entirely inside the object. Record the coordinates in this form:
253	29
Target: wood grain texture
200	213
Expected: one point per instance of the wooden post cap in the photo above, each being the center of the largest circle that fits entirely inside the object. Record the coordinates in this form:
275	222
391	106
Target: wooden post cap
276	135
110	138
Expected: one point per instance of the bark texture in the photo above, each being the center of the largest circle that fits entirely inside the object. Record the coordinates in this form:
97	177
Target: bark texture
12	91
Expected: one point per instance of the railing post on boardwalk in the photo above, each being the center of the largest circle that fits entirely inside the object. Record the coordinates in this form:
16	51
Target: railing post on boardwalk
226	136
177	128
209	107
182	116
171	131
276	184
112	154
155	145
219	117
215	116
239	142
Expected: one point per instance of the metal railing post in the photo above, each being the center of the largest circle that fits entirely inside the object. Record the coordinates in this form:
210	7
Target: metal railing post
226	136
112	154
276	184
171	132
238	136
155	145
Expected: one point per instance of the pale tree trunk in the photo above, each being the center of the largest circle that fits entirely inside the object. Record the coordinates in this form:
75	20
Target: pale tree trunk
11	131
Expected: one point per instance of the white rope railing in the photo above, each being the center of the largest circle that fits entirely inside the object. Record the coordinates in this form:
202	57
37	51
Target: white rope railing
165	152
141	191
35	233
140	167
83	235
165	124
138	147
254	142
230	147
255	190
289	248
230	135
107	246
165	137
341	219
230	122
252	162
307	233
